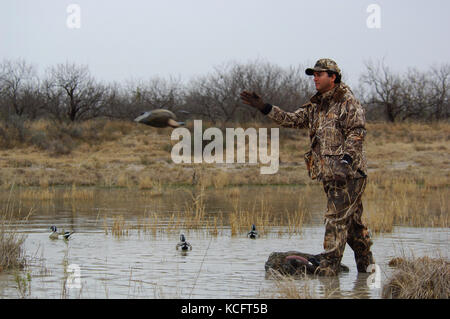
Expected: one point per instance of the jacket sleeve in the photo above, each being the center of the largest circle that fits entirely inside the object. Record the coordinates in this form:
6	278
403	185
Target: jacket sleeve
354	130
297	119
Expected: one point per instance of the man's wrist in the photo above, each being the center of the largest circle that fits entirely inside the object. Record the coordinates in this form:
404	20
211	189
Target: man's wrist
266	109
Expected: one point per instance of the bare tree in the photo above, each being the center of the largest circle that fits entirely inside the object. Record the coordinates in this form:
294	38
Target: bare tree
70	92
384	89
216	96
415	95
83	97
420	95
19	87
161	93
440	92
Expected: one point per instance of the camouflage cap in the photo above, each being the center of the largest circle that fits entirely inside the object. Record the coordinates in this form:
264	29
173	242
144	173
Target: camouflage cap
323	65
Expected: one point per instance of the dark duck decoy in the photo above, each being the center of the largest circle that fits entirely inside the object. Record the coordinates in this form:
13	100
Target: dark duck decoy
159	118
253	233
183	244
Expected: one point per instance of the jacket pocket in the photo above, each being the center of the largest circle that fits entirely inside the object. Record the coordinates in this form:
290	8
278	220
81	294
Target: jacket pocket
331	142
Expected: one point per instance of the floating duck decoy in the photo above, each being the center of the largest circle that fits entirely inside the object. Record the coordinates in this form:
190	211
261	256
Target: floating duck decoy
253	233
159	118
55	234
183	243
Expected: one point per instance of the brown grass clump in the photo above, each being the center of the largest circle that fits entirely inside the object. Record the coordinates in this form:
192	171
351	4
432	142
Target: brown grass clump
405	200
304	287
79	194
195	210
418	278
38	194
287	287
120	227
11	243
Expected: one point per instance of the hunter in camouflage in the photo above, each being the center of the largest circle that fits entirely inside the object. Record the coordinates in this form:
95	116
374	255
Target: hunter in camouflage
336	123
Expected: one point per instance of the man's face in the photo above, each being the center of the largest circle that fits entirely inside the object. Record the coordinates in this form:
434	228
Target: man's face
323	82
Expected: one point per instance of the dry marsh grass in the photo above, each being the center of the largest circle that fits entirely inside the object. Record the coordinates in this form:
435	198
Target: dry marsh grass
265	218
51	193
194	216
102	151
408	177
11	242
418	278
406	201
287	287
303	287
119	227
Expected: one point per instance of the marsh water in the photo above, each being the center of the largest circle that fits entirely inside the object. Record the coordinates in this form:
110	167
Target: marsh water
96	263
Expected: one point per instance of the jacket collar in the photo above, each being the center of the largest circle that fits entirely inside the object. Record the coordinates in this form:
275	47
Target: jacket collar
336	94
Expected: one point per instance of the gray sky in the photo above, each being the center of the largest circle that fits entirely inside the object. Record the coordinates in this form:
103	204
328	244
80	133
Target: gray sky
121	40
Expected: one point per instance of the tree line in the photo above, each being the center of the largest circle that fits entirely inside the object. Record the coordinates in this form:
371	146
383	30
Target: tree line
69	92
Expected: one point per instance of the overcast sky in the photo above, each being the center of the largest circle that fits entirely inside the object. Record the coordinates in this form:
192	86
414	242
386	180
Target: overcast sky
120	40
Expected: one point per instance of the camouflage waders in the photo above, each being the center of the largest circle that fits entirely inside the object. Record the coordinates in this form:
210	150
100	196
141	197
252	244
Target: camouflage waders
343	225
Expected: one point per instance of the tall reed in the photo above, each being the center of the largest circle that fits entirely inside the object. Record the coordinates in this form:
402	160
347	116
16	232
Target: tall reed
11	242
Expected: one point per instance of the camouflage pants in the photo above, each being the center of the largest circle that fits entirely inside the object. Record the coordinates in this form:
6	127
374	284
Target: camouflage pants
343	226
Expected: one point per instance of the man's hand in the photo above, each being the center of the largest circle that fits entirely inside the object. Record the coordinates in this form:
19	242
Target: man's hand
343	169
252	99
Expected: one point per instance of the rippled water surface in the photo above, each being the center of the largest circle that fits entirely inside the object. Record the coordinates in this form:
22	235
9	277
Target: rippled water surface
143	264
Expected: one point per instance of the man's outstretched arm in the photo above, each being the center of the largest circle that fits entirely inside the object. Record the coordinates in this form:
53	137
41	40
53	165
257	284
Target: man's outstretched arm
297	119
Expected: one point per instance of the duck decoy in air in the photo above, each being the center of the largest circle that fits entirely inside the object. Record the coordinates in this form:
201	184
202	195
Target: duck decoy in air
253	233
183	244
159	118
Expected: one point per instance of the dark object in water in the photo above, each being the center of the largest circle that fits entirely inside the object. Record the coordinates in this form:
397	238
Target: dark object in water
55	234
67	234
294	263
159	118
253	233
183	243
397	261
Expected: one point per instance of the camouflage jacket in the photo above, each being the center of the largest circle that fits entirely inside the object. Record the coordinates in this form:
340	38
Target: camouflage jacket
336	125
